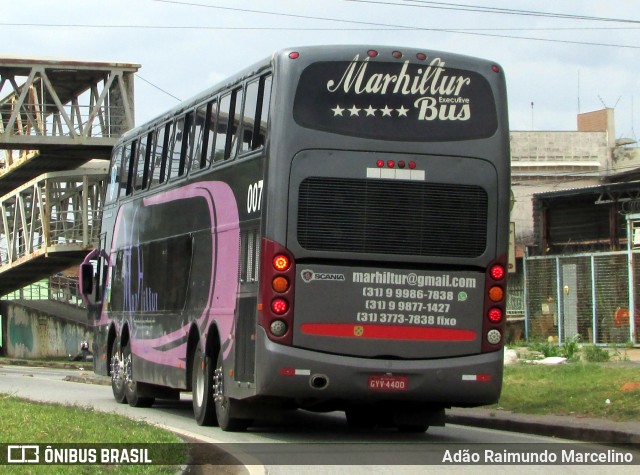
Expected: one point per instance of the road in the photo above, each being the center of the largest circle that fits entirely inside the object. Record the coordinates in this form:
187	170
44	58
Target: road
324	437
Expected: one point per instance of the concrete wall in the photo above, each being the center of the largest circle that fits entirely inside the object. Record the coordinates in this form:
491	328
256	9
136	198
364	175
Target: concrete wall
549	161
30	333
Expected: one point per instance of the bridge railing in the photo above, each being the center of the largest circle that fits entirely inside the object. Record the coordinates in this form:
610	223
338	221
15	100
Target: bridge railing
57	287
51	212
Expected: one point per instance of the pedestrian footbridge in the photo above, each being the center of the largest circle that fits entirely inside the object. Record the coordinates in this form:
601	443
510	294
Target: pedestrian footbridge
59	121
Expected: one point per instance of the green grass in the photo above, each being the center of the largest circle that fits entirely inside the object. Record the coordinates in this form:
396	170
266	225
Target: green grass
30	422
578	389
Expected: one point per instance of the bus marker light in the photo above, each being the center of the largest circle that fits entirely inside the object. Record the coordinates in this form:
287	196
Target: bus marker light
421	56
294	55
397	54
380	163
496	293
495	68
497	272
401	164
372	53
495	314
279	306
412	165
391	163
287	372
281	262
280	284
278	328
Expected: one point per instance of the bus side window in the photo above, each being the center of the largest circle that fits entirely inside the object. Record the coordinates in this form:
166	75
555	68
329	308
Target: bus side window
249	116
222	124
148	154
160	153
187	144
200	136
262	114
114	176
235	116
209	135
174	155
140	164
126	172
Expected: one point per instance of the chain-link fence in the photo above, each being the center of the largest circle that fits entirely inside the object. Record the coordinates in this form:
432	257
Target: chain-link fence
586	295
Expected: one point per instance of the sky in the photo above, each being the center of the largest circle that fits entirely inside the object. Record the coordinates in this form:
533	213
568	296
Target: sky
560	57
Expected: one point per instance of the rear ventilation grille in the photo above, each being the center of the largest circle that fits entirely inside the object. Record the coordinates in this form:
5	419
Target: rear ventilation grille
392	217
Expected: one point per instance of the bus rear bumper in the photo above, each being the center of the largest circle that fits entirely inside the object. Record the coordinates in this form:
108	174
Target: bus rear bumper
299	374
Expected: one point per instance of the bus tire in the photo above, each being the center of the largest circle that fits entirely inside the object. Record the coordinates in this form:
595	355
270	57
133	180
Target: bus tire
224	403
130	386
117	374
204	409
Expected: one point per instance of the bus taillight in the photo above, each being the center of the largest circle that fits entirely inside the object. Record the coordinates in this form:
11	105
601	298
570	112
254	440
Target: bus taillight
495	315
494	306
275	304
280	284
281	263
497	272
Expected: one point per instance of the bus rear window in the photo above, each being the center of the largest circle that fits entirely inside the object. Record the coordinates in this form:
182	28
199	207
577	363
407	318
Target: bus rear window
425	102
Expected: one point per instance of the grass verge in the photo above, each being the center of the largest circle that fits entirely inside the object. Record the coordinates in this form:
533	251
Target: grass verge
28	422
577	389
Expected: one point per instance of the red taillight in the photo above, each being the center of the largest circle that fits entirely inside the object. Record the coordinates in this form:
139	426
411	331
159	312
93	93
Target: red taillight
281	262
497	272
279	306
495	314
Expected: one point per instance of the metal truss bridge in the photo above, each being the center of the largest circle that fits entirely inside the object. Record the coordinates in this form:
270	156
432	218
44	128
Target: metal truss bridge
59	121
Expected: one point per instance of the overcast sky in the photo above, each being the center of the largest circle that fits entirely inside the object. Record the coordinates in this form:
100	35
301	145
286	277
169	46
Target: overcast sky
553	56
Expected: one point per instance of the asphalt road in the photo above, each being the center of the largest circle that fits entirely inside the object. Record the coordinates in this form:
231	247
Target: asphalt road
324	439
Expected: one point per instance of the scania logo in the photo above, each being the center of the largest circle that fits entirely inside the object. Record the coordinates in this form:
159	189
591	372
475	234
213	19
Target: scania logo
309	275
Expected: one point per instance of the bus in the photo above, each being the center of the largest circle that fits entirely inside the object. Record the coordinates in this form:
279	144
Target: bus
326	230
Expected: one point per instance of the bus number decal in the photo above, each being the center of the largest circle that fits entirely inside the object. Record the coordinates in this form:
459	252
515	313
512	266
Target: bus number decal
254	197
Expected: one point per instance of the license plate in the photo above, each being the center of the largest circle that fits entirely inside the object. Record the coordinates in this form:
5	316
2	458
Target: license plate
389	383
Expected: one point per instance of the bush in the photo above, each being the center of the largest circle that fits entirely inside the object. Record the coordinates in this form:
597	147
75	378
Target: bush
595	354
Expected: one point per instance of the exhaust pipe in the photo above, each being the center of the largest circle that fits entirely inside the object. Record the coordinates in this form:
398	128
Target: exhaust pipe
319	381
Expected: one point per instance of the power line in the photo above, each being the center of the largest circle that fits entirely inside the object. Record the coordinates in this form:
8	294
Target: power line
495	10
386	25
158	88
292	28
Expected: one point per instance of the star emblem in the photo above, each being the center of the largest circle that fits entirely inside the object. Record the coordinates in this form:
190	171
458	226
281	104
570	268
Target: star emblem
402	112
337	111
370	111
386	111
354	111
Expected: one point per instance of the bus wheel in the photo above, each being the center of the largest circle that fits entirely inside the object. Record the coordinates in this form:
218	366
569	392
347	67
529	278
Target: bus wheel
117	374
224	403
131	386
202	383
